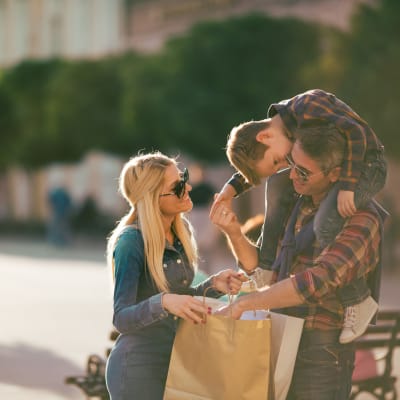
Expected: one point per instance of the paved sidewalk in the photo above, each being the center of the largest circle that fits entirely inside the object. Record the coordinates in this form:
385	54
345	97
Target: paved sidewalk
56	310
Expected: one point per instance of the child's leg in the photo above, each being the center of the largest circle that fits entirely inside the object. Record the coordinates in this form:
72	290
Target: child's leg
328	222
372	178
360	307
279	199
353	293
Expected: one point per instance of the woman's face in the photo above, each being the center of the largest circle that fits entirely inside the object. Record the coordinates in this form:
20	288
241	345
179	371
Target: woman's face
170	203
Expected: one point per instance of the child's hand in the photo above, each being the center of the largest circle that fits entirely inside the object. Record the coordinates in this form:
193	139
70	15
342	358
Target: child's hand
345	203
224	196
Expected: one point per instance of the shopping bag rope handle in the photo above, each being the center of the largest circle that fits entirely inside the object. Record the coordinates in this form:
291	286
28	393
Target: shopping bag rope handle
230	298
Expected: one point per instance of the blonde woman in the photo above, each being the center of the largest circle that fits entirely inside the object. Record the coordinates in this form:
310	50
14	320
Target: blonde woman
153	257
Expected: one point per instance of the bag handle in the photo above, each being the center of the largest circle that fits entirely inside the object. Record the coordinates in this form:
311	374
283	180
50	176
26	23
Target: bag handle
230	298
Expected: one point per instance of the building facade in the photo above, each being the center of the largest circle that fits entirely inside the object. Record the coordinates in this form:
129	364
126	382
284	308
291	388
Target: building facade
41	29
72	29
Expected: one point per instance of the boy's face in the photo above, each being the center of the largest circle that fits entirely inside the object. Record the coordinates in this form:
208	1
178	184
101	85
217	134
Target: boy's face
278	147
317	183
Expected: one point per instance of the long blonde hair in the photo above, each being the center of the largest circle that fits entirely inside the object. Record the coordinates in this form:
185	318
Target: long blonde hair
140	183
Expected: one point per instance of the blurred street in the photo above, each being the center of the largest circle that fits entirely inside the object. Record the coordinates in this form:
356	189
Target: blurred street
56	310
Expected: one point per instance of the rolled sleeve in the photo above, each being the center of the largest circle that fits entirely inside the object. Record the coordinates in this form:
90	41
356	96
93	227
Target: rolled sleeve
353	254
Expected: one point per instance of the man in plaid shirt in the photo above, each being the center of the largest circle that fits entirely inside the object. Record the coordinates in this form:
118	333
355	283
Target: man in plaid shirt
308	275
260	148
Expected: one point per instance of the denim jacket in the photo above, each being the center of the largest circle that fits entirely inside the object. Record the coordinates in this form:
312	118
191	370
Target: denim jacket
137	300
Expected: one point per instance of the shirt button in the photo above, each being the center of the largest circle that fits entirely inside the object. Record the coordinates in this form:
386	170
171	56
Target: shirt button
175	317
165	265
185	282
179	261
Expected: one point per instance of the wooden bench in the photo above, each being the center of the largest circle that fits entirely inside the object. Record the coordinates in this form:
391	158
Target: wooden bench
381	339
93	384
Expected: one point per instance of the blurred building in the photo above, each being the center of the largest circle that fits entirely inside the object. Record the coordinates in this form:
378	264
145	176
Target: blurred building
151	22
41	29
25	193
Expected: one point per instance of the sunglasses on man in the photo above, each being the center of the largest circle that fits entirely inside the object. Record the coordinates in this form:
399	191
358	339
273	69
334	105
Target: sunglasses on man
180	188
302	174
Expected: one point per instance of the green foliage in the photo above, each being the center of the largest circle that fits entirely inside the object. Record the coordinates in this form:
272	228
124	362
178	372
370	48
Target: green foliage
221	74
371	55
8	129
83	109
142	104
24	90
189	96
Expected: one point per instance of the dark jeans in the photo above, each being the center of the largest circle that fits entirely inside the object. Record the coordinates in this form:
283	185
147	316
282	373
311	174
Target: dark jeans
328	222
323	368
280	198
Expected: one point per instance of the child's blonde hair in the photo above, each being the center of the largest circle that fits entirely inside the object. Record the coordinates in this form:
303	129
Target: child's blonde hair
244	150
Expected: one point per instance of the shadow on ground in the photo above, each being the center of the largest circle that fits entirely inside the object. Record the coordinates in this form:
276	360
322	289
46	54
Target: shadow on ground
38	369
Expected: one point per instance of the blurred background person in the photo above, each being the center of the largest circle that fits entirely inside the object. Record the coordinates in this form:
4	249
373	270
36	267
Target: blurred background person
58	229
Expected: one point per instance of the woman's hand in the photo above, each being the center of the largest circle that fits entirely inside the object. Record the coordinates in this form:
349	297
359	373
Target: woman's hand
228	281
184	306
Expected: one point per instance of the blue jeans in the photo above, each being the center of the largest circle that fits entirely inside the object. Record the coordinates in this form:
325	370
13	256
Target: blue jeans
323	368
280	197
328	222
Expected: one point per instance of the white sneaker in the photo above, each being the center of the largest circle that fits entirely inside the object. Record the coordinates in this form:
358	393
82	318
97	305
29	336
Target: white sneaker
356	319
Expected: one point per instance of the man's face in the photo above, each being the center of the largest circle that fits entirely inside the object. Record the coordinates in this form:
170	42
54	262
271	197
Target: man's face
278	146
307	177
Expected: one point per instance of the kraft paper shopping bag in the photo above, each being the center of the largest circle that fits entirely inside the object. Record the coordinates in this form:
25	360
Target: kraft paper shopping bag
223	359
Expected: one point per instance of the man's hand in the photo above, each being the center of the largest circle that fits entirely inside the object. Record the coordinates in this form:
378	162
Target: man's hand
345	203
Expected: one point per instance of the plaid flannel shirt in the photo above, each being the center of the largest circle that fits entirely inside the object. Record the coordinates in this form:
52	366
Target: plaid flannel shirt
353	254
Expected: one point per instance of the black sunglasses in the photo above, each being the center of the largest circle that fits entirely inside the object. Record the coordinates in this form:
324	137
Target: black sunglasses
180	188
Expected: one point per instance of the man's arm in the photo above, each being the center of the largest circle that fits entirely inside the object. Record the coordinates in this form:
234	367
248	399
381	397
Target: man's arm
353	254
280	295
244	251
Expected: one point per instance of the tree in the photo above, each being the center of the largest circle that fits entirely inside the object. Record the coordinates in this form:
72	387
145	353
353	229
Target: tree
83	109
9	131
371	58
222	74
24	90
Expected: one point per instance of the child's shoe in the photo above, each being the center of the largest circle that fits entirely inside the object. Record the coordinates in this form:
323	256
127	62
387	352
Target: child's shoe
356	319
